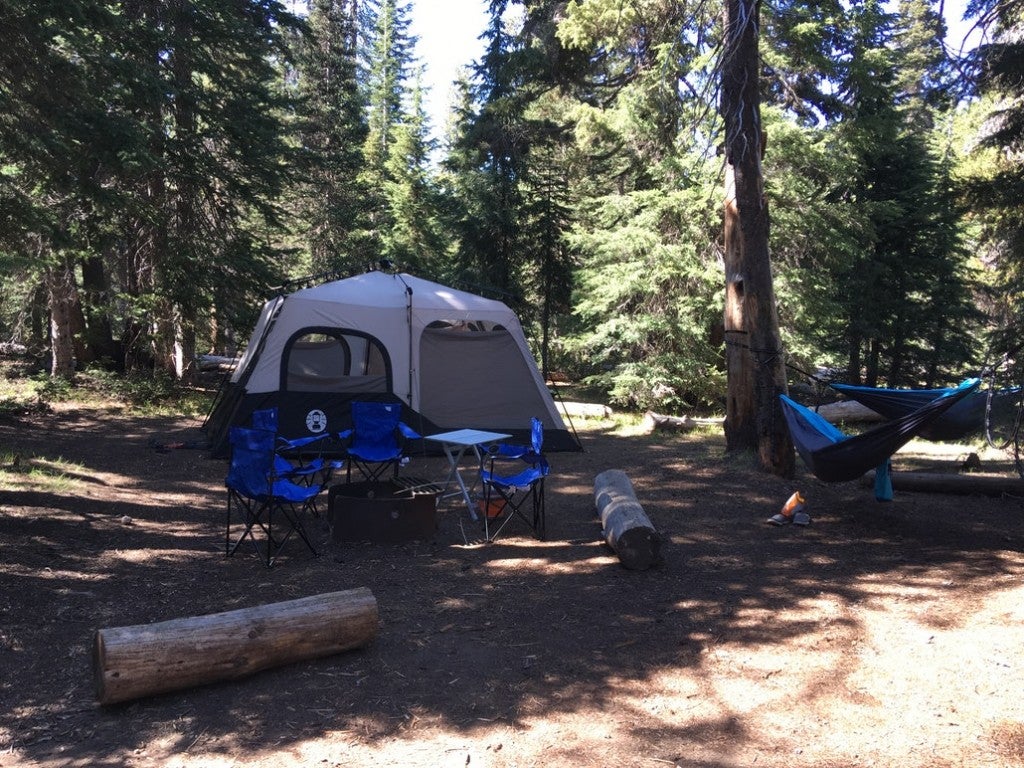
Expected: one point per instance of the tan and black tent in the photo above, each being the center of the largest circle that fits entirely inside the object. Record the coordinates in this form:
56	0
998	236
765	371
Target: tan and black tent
453	359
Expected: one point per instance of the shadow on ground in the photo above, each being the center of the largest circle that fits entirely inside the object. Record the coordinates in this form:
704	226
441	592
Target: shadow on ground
471	634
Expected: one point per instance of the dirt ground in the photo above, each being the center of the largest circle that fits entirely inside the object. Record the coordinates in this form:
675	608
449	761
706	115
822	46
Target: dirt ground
879	635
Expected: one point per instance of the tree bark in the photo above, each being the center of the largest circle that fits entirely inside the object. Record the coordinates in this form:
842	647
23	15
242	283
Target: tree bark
754	356
66	321
97	300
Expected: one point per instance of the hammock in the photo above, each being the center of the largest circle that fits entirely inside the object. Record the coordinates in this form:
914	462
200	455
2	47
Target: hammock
965	418
834	457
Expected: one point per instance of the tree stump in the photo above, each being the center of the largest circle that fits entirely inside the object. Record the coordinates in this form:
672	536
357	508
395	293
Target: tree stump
141	660
627	529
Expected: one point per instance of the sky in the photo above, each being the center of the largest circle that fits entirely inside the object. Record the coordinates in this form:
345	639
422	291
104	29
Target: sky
448	32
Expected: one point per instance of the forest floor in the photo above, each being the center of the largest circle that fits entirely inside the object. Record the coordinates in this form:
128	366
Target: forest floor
882	634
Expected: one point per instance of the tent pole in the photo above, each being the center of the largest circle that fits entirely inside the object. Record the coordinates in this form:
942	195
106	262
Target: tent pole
408	324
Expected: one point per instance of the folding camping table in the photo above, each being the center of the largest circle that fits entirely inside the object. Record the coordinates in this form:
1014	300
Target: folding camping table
455	445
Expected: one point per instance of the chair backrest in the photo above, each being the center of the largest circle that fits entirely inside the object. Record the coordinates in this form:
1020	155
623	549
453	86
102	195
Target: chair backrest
517	451
375	425
265	418
252	456
537	435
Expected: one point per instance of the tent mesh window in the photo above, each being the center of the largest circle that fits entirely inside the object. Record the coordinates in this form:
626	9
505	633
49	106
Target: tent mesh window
322	362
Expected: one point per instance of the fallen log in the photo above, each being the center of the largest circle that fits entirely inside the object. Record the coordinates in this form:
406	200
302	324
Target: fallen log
134	661
627	529
937	482
660	422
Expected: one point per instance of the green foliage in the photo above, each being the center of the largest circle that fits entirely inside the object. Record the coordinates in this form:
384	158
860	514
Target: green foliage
146	147
648	296
40	474
149	141
333	202
992	177
895	298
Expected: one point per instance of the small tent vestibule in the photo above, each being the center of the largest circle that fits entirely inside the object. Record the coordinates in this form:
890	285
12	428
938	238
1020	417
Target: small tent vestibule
453	360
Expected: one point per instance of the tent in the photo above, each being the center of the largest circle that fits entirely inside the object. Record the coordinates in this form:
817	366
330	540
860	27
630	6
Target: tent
452	359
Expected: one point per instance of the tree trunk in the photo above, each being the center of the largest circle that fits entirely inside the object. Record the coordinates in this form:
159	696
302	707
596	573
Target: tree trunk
755	363
853	359
96	294
185	348
66	321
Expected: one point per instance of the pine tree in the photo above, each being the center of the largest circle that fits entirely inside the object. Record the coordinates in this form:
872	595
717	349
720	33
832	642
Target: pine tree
332	131
906	253
414	239
644	224
218	165
995	191
387	167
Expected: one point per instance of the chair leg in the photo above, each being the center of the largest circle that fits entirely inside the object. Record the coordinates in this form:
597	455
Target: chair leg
262	514
372	472
515	506
292	517
539	511
250	510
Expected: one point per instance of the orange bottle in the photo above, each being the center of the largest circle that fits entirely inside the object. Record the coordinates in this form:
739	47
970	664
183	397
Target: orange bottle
794	504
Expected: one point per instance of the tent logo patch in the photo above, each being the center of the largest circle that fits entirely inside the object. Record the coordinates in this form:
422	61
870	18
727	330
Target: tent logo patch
316	420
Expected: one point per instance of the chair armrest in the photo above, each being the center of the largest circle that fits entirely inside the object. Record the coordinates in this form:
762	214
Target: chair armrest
301	442
408	432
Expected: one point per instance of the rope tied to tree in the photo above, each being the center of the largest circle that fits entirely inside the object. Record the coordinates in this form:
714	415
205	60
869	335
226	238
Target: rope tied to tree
761	356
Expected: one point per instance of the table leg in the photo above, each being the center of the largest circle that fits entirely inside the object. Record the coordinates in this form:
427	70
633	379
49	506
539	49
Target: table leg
454	460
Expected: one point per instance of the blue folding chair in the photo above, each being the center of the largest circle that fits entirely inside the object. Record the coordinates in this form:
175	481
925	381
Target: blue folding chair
263	500
511	493
377	439
299	459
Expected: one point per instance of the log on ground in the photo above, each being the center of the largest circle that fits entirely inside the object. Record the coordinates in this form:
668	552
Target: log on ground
134	661
627	529
660	422
937	482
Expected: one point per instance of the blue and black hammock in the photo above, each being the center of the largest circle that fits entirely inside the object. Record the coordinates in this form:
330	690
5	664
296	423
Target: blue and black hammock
965	418
834	457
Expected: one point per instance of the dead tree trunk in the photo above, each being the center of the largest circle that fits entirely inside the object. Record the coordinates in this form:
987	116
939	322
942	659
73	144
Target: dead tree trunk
756	368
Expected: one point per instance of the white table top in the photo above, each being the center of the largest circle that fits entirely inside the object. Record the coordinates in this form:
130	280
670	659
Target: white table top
468	437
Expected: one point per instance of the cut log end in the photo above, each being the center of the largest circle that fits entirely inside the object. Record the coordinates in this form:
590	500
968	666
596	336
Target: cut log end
639	548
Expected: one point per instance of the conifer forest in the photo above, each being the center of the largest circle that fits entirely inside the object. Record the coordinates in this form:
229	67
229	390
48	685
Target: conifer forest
166	165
